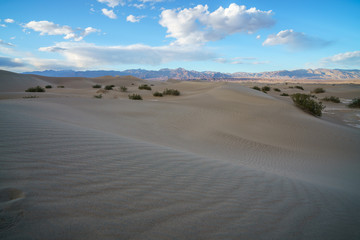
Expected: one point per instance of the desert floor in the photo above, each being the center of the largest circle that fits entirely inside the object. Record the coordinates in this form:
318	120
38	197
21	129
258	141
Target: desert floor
220	161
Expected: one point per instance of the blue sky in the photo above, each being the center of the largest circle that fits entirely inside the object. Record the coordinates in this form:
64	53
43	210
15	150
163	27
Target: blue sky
226	36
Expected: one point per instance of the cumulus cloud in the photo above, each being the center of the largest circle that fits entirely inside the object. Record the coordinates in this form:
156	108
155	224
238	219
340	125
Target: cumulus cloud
2	42
84	55
294	40
10	62
197	25
50	28
348	59
133	19
109	13
9	20
112	3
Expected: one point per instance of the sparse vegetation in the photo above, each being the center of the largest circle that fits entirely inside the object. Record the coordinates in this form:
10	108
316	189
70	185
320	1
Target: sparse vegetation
299	87
33	96
355	103
123	89
318	90
96	86
98	96
35	89
60	86
277	90
307	104
144	87
48	86
109	87
135	97
173	92
265	89
157	94
331	99
256	88
284	94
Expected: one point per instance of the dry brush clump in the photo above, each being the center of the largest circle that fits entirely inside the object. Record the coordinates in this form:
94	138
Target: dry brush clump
144	87
318	90
355	103
96	86
173	92
307	104
157	94
109	87
135	97
332	99
35	89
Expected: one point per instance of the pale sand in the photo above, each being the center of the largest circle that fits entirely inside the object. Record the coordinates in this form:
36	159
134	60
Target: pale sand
221	161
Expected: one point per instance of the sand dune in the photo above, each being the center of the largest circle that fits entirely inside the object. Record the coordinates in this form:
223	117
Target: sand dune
221	161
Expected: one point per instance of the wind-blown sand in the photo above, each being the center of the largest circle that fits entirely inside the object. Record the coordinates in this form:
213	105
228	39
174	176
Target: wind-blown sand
221	161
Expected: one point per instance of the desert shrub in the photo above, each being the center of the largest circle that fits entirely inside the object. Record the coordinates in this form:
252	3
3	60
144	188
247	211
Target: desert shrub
96	86
291	87
144	87
157	94
35	89
31	96
48	86
98	96
151	84
332	99
132	84
256	88
299	87
265	89
123	89
173	92
318	90
277	90
109	87
307	104
135	97
284	94
355	103
60	86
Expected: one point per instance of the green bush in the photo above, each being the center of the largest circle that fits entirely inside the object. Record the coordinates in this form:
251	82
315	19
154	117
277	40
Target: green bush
307	104
96	86
299	87
355	103
265	89
173	92
157	94
277	90
60	86
318	90
123	89
332	99
35	89
48	86
256	88
109	87
98	96
284	94
135	97
144	87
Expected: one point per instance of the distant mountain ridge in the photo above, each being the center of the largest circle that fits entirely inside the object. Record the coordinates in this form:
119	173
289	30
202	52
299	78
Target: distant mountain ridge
183	74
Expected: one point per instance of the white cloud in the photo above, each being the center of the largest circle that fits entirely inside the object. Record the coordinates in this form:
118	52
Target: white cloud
112	3
6	43
85	55
2	25
348	59
197	25
151	1
133	19
10	62
139	6
258	36
9	20
294	40
50	28
109	13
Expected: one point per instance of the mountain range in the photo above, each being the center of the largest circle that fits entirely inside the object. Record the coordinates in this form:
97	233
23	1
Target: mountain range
183	74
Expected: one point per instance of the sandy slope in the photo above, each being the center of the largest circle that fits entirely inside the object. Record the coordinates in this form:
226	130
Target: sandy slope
221	161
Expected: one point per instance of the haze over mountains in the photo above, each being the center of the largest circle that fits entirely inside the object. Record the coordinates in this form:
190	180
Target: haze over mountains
183	74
